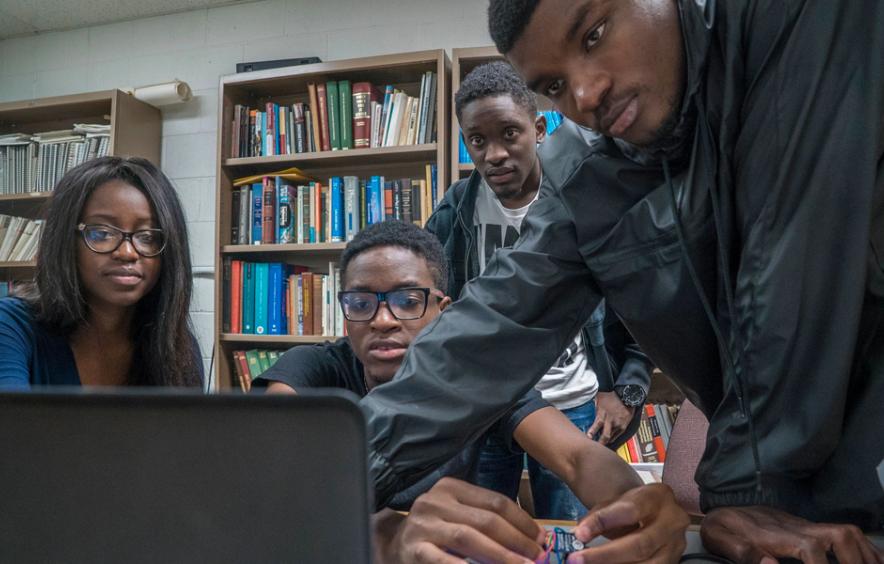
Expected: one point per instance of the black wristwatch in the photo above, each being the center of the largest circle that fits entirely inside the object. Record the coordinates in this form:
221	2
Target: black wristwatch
632	395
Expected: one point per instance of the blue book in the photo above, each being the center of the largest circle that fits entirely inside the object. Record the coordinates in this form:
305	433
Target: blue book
262	297
257	212
376	200
337	209
433	191
276	129
275	315
248	298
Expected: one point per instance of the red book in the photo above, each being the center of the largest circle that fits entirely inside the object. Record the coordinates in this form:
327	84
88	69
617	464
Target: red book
236	296
655	432
323	116
362	115
268	211
242	370
633	450
388	200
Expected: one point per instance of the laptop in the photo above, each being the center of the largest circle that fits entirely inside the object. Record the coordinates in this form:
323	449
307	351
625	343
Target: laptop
151	476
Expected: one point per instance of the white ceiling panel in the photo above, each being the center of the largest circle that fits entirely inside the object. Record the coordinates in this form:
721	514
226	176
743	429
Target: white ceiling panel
23	17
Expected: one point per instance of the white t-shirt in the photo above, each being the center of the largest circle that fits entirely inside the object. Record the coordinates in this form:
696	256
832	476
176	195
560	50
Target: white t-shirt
570	381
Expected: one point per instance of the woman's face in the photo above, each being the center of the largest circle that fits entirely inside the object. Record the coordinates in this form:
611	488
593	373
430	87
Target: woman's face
123	277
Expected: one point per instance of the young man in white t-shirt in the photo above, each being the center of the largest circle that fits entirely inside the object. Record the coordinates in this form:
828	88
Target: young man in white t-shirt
501	128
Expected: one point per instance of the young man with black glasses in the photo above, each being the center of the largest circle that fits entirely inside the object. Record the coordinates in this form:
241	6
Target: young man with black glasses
394	277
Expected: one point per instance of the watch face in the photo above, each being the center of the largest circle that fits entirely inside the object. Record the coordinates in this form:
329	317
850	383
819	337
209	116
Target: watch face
631	395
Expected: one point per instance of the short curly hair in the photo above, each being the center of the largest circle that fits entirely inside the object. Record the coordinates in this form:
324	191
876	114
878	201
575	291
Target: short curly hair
399	234
507	20
497	78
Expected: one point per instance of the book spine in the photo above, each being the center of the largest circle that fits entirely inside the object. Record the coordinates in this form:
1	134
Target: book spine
407	209
363	204
317	304
333	106
307	302
656	436
302	228
362	115
245	212
268	212
388	201
397	200
351	207
285	215
235	130
227	301
322	99
235	196
385	115
262	291
314	117
236	296
346	121
300	132
257	213
248	298
375	202
275	306
337	209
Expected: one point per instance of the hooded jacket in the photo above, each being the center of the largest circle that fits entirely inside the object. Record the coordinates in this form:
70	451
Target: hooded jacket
612	353
752	273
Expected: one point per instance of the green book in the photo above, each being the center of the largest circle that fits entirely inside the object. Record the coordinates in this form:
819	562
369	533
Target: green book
346	96
334	115
263	361
272	356
254	364
248	298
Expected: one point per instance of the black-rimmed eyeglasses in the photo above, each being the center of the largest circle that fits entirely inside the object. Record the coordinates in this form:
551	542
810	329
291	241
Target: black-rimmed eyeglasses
104	239
404	303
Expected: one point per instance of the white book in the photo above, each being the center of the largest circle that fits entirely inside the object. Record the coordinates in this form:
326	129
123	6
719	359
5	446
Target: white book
404	123
391	134
18	251
411	138
11	238
376	110
29	249
4	225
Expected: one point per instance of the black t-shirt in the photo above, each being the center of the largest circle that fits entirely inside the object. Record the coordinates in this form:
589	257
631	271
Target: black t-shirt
333	365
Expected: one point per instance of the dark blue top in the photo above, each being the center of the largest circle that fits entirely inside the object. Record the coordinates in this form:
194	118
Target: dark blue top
334	365
31	355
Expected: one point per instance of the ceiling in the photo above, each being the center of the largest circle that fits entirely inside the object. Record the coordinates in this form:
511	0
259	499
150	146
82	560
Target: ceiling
25	17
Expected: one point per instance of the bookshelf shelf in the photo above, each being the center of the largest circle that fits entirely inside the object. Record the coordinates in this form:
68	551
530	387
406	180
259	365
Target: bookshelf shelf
274	339
289	88
335	248
135	129
376	156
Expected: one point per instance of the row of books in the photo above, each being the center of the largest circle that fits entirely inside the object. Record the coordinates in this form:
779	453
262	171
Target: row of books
553	121
248	365
274	211
19	237
263	298
36	162
651	440
337	117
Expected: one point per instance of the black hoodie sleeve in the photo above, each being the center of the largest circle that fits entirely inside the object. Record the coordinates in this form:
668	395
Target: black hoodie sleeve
482	353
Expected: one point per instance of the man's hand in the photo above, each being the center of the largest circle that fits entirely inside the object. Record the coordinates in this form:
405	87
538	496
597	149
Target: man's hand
759	534
611	417
645	524
457	518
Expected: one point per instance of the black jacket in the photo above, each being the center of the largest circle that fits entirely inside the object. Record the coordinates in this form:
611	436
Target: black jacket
611	351
777	215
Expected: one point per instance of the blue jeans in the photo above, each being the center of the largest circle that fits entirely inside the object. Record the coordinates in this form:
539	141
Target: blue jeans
500	470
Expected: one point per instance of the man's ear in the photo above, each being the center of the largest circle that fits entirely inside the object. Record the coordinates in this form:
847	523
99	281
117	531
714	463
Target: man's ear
444	302
540	127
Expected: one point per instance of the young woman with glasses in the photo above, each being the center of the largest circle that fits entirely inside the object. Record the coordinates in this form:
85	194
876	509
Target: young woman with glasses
109	305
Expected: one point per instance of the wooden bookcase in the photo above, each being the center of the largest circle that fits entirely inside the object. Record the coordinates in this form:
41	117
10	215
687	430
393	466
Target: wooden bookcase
135	131
462	62
289	85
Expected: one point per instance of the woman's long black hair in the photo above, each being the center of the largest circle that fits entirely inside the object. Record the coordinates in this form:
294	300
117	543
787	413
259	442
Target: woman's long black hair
166	352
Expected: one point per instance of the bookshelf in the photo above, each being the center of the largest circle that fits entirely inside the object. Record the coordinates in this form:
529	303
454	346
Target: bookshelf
464	60
289	86
135	130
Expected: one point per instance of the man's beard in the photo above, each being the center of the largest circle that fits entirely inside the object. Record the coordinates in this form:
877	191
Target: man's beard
670	141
